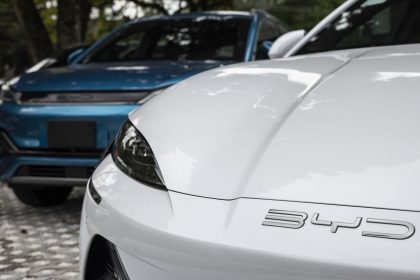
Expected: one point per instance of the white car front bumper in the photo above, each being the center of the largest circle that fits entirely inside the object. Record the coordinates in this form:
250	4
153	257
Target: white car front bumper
169	235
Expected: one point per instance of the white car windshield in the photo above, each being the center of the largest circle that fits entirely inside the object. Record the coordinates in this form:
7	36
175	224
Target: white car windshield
369	23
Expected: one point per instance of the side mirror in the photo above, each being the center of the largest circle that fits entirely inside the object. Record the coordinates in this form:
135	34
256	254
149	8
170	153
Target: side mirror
284	43
263	49
74	55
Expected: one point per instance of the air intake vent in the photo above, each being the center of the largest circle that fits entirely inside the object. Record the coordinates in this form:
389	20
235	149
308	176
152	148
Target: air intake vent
83	97
104	261
55	171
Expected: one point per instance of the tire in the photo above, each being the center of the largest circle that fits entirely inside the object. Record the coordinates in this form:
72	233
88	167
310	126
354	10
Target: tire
41	197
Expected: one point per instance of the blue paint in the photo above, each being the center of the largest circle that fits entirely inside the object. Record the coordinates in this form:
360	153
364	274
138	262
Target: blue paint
123	76
26	125
14	162
253	36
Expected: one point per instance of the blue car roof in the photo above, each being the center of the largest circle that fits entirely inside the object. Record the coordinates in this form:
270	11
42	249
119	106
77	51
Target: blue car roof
230	14
196	14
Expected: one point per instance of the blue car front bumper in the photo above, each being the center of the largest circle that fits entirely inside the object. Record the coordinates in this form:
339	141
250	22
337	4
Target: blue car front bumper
25	154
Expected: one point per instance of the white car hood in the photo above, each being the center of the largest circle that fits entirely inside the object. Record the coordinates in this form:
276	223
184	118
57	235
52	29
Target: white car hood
340	128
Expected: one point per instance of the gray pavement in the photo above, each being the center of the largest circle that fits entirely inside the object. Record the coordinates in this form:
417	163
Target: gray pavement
39	243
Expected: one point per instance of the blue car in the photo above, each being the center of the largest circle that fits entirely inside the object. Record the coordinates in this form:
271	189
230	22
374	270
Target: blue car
56	122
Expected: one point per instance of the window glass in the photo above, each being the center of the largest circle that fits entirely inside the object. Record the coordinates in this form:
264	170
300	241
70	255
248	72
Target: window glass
202	38
370	23
269	31
126	48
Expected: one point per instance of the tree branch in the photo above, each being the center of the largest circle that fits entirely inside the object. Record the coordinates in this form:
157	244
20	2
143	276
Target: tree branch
34	30
204	5
151	5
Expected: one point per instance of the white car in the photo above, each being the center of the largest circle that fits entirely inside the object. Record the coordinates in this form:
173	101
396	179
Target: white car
306	167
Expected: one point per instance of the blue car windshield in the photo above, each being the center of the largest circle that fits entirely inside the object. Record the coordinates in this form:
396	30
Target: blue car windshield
200	38
370	23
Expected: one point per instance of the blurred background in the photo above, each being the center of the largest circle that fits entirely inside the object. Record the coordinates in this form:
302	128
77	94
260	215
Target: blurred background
31	30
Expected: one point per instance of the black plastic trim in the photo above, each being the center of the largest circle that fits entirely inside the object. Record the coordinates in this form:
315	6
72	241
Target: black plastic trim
104	262
119	269
12	149
48	181
79	98
93	193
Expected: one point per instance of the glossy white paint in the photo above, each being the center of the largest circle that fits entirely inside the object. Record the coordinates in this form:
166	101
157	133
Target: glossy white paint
284	43
216	125
167	235
353	140
332	133
333	128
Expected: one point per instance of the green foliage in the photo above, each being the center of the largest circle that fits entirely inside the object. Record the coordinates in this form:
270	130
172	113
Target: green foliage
104	22
303	13
48	11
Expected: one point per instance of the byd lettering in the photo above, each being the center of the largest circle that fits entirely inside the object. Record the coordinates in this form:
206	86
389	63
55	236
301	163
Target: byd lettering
296	220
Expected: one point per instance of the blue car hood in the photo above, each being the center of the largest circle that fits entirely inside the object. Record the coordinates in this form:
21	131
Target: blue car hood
110	77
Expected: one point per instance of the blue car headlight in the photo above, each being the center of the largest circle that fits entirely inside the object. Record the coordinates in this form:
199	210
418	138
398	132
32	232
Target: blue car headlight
133	155
8	93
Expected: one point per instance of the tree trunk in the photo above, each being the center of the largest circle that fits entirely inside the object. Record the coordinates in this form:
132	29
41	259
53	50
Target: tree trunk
84	17
72	22
33	29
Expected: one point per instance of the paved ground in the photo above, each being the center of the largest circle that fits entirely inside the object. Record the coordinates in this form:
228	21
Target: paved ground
39	243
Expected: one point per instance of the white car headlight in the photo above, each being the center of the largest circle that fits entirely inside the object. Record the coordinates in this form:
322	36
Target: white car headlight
133	155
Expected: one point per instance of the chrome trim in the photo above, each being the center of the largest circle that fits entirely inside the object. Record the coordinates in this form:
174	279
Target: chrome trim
315	221
335	225
409	226
286	219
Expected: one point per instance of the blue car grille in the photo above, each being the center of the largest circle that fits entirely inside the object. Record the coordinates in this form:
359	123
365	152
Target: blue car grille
83	97
55	171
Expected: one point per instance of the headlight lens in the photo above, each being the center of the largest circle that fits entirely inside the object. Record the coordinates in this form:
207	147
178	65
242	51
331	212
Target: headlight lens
7	94
133	155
